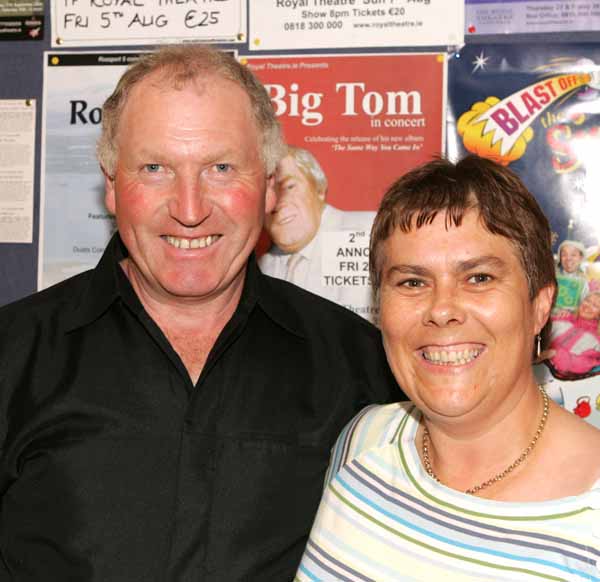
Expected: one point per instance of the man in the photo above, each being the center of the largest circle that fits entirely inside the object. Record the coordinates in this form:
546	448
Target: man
168	415
316	246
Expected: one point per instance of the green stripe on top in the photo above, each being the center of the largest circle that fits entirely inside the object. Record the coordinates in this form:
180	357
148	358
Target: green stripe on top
460	509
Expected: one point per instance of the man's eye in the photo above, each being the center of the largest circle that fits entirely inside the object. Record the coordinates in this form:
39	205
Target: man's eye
152	168
480	278
222	168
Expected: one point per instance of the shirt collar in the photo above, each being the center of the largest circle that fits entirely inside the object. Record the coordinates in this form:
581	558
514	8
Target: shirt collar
102	286
265	292
108	284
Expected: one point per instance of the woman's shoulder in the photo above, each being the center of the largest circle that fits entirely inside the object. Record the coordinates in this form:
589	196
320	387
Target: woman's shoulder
373	427
573	451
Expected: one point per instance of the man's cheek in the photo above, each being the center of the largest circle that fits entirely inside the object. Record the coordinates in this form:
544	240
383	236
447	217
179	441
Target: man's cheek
244	202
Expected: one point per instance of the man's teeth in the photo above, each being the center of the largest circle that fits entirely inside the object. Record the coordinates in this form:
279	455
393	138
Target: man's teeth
192	243
449	358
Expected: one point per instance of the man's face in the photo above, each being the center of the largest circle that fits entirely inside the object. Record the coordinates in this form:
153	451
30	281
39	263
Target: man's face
570	258
297	215
189	191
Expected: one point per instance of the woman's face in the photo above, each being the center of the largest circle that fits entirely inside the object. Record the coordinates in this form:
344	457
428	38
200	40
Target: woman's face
590	307
457	321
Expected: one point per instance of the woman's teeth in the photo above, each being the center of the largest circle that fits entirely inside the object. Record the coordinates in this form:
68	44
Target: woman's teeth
450	358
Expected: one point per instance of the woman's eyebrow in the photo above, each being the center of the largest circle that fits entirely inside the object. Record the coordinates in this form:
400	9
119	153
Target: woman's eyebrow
483	261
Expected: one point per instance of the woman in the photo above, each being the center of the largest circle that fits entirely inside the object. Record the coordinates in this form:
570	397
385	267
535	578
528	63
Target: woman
480	477
575	339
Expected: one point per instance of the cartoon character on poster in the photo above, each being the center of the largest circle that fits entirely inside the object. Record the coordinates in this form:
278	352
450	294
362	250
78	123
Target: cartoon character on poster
537	109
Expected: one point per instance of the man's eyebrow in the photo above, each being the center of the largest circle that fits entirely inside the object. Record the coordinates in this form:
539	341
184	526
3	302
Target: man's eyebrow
285	179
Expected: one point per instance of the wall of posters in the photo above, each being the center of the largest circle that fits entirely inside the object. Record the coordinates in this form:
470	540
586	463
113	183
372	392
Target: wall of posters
312	24
74	223
17	137
527	16
136	22
357	122
21	19
537	109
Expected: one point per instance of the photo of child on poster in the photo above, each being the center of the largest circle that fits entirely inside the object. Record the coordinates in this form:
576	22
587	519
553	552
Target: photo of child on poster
536	108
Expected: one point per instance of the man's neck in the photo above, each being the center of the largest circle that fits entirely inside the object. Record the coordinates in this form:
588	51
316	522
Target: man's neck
192	325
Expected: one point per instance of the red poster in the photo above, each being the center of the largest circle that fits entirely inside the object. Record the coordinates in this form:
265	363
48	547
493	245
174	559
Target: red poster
356	123
367	118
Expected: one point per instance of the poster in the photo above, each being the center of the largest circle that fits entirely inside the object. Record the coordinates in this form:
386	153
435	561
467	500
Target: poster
315	24
21	19
17	153
536	108
530	16
357	123
74	225
141	22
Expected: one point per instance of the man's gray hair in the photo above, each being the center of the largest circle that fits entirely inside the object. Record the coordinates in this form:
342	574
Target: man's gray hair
181	64
310	167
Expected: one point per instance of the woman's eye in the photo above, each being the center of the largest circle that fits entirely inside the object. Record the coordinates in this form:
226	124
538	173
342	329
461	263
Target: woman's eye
411	283
480	278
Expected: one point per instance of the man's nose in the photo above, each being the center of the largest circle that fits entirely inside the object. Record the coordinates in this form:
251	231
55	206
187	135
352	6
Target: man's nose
189	204
444	307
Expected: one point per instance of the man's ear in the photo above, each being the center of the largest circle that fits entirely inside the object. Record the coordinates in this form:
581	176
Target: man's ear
109	192
270	195
542	305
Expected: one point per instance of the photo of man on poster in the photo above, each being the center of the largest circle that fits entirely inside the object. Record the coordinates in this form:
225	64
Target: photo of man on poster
298	227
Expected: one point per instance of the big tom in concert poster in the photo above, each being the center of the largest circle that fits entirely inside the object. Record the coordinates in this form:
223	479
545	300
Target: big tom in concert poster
356	122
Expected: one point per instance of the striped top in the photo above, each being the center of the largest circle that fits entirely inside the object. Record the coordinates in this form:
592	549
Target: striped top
382	518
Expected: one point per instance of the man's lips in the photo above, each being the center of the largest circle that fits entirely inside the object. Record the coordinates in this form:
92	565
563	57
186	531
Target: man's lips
284	214
185	243
451	355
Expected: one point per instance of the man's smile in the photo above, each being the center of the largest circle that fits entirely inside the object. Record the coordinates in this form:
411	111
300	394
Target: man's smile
191	243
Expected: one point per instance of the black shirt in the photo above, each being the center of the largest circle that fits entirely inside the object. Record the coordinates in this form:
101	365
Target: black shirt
115	467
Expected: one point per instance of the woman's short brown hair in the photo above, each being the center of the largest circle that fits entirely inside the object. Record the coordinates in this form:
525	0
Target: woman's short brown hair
504	204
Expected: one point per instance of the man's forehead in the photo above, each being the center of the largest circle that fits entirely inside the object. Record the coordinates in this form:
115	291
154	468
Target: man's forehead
166	81
157	93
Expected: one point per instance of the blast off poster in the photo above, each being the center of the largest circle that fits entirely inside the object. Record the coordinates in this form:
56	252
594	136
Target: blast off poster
537	110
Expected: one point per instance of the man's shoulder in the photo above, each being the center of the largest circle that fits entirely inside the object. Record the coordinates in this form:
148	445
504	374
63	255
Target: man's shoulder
335	218
315	311
44	304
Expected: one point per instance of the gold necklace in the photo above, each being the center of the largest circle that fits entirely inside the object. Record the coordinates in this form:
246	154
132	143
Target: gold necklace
509	469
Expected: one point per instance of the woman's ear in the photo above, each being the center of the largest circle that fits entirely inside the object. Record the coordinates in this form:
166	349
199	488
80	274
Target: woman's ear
542	305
